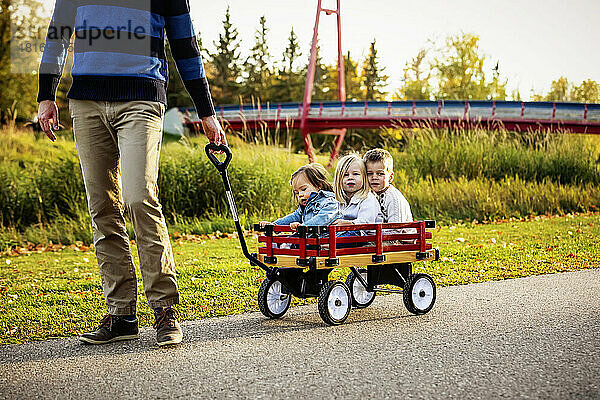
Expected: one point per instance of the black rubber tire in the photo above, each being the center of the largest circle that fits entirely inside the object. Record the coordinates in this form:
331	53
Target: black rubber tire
350	280
409	297
323	302
263	304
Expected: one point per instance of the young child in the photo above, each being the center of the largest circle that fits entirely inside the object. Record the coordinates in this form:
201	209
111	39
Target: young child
380	173
316	201
358	205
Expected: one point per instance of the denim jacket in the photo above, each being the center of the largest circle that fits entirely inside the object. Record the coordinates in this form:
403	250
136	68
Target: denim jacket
321	209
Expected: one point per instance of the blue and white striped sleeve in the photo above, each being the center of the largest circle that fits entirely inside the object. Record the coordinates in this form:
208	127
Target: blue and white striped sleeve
58	39
185	51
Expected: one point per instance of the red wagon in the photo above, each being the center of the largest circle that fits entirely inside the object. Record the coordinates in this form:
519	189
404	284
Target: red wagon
299	263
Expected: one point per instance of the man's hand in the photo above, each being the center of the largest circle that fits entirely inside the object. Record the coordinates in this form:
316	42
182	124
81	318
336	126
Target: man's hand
294	225
262	224
48	110
213	130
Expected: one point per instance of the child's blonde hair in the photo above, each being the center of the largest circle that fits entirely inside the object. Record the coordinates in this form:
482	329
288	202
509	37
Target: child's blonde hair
375	155
342	166
316	175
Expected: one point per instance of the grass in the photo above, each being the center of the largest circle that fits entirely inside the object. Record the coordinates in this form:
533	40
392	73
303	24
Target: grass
445	175
473	154
55	290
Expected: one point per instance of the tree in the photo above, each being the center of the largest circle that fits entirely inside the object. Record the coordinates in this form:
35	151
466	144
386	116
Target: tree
496	90
560	90
460	71
21	31
226	62
515	95
321	88
456	72
373	79
289	81
257	66
587	92
416	84
176	93
291	53
352	78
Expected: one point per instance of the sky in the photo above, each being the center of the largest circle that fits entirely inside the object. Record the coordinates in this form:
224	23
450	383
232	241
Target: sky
535	41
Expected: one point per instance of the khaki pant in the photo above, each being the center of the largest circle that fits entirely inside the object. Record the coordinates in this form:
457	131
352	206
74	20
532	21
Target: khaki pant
118	144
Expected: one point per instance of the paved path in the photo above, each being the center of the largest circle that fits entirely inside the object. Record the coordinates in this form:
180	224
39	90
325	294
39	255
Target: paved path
537	337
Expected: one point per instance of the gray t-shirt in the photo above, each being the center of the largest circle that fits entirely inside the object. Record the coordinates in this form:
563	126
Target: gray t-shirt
395	208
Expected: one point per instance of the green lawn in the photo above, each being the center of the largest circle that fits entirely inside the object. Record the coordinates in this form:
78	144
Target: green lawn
58	293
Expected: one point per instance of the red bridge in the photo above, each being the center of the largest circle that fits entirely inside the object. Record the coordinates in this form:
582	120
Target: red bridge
511	115
335	117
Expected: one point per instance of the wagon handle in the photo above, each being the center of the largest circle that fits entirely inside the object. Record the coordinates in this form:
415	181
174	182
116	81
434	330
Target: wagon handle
222	168
220	165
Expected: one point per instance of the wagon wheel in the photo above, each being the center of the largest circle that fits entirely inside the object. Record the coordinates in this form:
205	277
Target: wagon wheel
361	297
334	302
272	302
419	293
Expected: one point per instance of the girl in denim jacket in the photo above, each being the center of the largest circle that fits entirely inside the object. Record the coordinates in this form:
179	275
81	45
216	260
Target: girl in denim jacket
317	205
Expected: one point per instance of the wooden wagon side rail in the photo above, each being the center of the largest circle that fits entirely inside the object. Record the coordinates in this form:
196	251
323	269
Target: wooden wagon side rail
320	247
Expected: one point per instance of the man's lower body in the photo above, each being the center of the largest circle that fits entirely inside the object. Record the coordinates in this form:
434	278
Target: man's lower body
118	144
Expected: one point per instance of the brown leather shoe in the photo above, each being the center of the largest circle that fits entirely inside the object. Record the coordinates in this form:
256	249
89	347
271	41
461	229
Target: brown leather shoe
112	328
168	330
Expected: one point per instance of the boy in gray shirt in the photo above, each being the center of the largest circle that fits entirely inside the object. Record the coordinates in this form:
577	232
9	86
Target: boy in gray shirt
380	174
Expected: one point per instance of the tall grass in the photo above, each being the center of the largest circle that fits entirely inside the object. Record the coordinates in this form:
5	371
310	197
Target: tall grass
40	192
445	175
533	156
190	186
486	199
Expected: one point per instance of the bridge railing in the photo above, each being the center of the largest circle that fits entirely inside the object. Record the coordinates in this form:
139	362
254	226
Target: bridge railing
512	110
512	115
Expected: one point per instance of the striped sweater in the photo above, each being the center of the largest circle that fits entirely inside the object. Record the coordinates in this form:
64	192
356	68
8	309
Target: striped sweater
119	51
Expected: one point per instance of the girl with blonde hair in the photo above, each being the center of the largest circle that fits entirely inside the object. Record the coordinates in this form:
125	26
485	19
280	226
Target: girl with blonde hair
358	205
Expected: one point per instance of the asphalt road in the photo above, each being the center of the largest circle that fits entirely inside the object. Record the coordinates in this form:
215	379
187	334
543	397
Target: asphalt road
536	337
